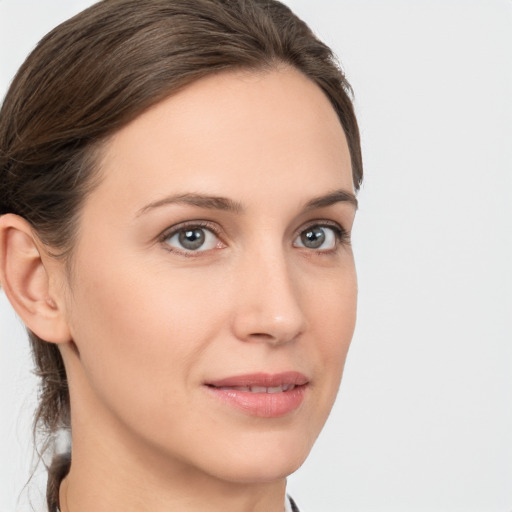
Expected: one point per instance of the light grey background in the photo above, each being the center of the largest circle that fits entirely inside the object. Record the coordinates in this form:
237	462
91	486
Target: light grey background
424	417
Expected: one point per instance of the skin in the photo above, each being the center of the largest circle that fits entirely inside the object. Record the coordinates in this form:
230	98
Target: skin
142	322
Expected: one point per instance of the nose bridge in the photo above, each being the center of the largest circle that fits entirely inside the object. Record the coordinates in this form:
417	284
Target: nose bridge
268	307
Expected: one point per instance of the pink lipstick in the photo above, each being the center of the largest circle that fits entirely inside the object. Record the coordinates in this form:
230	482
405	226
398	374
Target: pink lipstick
262	394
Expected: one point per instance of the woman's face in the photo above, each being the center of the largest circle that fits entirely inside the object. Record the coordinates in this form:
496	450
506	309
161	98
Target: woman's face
213	291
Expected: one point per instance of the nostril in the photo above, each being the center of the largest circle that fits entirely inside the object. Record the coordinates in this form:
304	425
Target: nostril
276	338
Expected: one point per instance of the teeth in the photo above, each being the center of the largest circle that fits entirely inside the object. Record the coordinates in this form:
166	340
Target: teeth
236	388
260	389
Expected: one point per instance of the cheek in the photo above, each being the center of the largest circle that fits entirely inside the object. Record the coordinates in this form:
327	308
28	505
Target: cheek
141	334
332	321
331	307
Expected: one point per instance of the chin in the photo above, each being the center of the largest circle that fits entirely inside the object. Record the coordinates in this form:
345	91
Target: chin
264	458
260	471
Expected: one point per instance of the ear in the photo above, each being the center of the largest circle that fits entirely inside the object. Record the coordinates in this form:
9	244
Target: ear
27	281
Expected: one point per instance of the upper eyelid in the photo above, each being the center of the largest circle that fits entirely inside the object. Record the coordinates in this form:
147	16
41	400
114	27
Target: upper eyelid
172	231
176	228
343	235
213	226
321	223
217	230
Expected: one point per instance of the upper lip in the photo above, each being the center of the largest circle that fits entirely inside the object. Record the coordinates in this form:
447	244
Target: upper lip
261	379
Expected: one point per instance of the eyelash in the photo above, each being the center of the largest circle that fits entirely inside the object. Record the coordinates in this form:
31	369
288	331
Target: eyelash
342	236
169	233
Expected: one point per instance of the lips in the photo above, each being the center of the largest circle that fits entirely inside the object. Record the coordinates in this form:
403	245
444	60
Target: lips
261	394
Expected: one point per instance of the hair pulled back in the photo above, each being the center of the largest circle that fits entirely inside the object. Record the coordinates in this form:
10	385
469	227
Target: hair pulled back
94	74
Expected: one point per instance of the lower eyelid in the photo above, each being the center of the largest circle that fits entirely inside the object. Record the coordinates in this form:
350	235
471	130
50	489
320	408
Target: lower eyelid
342	238
341	235
206	245
176	230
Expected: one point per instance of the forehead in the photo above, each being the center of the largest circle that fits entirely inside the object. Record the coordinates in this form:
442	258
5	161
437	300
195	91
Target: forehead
231	134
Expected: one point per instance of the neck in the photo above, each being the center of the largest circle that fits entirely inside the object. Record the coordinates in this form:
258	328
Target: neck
75	496
113	469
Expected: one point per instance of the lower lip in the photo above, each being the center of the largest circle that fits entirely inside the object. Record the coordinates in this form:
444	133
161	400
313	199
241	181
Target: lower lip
262	405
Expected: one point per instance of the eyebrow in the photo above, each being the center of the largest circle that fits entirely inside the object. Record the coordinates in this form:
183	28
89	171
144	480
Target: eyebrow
337	196
202	201
226	204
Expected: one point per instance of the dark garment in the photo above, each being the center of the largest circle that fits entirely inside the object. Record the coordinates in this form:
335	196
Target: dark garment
294	506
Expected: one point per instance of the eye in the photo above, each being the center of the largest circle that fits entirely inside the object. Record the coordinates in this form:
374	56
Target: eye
192	238
318	237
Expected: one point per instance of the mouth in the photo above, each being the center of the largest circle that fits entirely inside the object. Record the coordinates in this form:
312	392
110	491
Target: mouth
257	389
262	395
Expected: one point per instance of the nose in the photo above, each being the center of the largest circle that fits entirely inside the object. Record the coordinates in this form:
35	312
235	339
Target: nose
267	305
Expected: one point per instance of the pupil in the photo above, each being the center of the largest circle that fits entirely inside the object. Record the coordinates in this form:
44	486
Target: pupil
192	238
313	238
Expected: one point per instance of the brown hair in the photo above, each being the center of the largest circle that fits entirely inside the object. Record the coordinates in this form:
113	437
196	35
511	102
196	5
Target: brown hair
98	71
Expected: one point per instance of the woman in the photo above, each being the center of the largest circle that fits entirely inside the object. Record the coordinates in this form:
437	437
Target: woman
177	192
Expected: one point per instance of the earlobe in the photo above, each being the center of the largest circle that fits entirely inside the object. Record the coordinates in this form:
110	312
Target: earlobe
26	280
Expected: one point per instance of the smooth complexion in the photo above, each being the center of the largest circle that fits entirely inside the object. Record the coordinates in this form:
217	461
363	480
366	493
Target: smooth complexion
212	268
